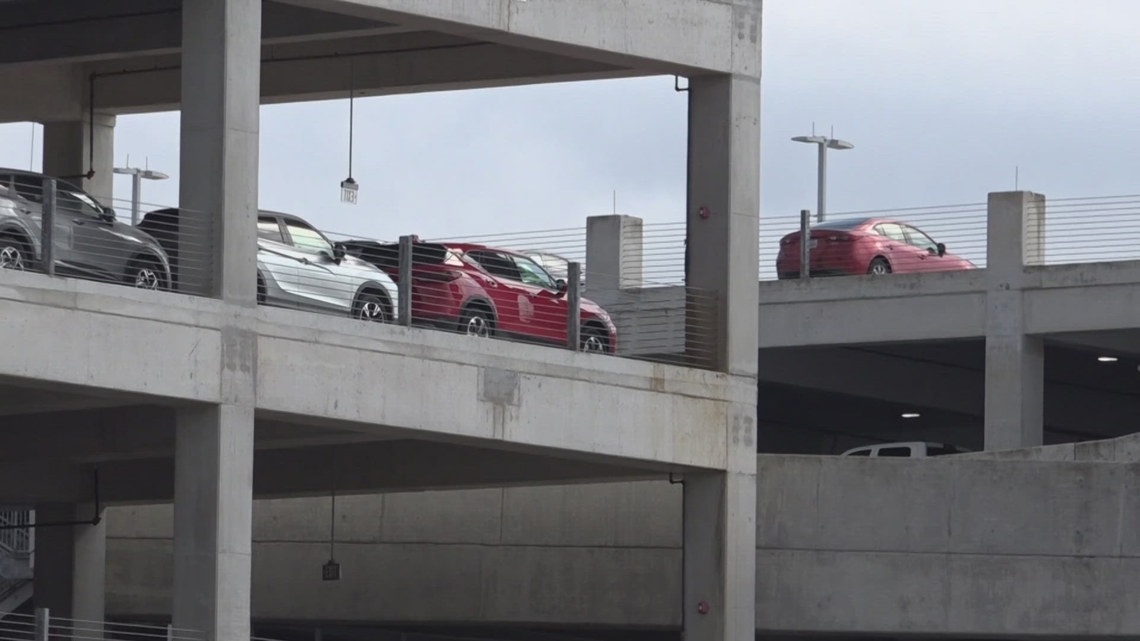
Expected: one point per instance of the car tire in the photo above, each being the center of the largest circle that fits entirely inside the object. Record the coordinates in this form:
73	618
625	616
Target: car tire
371	307
262	292
476	321
14	253
146	273
594	339
879	267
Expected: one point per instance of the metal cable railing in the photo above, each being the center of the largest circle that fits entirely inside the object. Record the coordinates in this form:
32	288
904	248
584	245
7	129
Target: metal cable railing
42	626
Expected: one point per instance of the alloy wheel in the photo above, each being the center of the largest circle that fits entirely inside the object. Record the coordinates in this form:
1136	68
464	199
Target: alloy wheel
147	278
477	326
372	311
593	343
11	258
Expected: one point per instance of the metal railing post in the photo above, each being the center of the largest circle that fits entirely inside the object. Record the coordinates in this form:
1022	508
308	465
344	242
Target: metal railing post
43	619
47	226
805	240
574	306
404	286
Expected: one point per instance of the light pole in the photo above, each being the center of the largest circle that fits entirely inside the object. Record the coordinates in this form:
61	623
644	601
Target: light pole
137	176
824	143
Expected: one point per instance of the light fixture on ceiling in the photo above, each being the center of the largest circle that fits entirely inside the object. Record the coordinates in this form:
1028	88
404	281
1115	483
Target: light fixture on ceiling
1107	359
911	415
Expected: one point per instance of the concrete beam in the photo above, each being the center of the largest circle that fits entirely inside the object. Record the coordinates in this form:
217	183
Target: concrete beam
102	337
662	36
155	345
404	63
849	310
518	396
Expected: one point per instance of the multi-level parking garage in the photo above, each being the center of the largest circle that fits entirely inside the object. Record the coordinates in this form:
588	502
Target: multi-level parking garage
168	412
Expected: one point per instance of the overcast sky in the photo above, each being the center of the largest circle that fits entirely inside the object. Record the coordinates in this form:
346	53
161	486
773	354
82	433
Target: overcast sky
942	98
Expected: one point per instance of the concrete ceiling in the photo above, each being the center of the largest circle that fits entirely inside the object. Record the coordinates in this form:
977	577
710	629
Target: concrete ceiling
825	400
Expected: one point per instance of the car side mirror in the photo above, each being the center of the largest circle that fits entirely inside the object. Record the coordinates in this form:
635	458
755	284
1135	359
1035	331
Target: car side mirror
108	215
941	249
560	286
339	252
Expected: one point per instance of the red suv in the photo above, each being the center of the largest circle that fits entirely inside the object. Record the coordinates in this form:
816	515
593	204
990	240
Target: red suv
483	291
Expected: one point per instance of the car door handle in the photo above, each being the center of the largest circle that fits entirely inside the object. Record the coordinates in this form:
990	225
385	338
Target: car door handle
77	221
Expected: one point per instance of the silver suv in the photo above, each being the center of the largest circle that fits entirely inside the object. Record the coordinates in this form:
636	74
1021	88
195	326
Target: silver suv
88	241
297	266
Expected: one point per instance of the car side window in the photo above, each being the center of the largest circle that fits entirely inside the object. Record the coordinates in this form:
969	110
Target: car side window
891	230
496	263
919	239
269	229
531	274
305	237
74	201
29	187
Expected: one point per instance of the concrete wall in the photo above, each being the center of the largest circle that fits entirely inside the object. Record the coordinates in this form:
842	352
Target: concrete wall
936	546
605	554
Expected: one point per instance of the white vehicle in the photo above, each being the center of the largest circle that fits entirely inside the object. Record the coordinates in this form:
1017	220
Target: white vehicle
910	449
299	267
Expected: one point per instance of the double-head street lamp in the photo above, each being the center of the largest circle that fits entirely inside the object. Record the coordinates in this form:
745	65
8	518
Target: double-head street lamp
824	143
137	175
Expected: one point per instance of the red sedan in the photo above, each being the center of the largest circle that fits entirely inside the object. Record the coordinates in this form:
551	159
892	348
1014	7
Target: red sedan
866	246
483	291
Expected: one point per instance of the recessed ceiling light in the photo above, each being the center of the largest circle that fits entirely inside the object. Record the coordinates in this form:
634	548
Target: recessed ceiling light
1107	359
911	415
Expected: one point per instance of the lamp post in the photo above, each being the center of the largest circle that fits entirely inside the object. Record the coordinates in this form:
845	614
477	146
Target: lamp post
824	143
137	175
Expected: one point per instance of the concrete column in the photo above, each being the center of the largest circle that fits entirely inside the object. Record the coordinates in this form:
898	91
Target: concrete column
71	561
221	79
720	556
722	241
67	153
613	253
1015	362
213	521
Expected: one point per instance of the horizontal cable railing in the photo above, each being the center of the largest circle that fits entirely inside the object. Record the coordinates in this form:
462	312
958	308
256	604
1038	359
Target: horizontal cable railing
490	288
921	239
42	626
1087	230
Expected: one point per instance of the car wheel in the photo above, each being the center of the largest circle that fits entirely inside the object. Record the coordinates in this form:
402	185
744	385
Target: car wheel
594	339
13	253
476	322
879	267
370	307
145	273
262	293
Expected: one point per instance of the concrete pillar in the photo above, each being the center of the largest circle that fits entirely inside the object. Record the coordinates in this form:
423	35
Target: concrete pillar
221	79
722	240
71	561
67	153
720	555
1015	362
213	521
613	253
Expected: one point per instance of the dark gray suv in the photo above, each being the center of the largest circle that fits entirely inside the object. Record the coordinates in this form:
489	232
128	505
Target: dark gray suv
87	239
